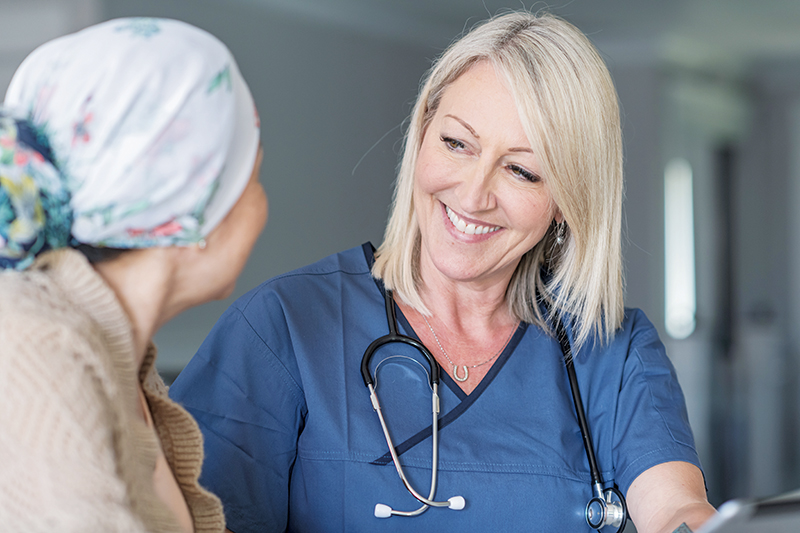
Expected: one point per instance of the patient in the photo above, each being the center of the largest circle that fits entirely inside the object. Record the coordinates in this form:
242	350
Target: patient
129	193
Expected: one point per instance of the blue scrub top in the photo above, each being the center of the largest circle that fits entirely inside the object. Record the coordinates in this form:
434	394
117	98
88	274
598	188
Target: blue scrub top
292	442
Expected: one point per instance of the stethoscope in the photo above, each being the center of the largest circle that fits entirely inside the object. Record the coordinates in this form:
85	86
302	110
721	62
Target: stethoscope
606	508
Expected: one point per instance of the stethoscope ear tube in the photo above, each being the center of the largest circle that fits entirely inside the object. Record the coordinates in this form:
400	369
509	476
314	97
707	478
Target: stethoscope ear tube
455	503
393	336
366	375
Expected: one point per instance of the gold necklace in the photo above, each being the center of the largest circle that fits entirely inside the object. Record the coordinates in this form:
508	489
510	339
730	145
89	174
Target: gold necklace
465	367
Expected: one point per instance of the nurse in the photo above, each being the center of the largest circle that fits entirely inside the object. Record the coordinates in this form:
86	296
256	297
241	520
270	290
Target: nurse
506	219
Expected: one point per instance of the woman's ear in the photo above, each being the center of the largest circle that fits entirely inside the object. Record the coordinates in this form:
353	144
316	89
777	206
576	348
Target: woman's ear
559	216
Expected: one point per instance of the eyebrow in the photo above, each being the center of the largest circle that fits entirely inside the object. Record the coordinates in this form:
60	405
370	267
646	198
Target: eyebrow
472	131
475	134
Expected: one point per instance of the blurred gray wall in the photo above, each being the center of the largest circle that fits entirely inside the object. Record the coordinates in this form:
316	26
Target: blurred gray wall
29	23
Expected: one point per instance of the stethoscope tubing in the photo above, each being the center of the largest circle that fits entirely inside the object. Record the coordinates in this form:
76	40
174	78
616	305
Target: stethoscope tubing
608	504
396	460
433	377
395	337
579	409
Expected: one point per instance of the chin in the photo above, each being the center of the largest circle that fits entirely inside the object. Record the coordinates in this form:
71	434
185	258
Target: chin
464	270
223	292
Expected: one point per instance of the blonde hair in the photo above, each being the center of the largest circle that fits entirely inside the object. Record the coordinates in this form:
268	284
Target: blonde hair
568	106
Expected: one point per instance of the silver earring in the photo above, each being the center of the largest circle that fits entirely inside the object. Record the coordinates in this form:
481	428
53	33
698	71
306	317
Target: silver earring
560	233
201	244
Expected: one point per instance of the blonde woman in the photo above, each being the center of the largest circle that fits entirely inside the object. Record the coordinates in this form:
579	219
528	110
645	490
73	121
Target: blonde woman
129	192
502	255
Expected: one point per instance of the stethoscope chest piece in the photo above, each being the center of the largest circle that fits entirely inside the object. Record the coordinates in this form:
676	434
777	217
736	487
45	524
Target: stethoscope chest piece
608	511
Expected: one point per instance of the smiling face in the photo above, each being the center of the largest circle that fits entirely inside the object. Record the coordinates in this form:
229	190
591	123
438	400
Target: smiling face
479	196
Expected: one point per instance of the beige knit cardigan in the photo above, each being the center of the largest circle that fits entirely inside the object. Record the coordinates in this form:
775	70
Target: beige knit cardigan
74	454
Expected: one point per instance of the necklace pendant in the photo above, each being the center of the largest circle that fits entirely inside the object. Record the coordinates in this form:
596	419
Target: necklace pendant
455	373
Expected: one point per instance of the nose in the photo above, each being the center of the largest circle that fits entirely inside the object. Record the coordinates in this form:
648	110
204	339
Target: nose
477	190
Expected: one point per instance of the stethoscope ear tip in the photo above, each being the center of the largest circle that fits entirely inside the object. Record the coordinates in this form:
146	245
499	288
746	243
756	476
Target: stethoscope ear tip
456	503
383	511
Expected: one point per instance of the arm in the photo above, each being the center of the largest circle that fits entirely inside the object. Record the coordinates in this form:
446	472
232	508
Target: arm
664	496
657	466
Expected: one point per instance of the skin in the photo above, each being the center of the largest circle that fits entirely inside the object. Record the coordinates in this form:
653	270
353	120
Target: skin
666	495
155	284
476	159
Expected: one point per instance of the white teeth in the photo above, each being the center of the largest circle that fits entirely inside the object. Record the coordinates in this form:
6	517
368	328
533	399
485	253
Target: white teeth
469	229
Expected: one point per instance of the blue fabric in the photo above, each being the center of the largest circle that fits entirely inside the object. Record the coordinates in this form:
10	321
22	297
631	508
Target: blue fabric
292	442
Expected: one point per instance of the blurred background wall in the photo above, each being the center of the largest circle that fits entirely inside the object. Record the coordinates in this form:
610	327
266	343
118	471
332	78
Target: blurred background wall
710	96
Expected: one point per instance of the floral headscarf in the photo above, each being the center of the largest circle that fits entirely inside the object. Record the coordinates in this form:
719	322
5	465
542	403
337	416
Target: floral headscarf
34	204
147	123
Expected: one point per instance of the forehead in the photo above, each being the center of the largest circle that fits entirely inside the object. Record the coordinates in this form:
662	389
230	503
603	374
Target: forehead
482	98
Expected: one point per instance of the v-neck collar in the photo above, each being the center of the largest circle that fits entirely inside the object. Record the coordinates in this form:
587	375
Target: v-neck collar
465	400
488	378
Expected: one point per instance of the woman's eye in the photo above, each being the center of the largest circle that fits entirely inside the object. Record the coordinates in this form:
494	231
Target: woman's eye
452	144
524	174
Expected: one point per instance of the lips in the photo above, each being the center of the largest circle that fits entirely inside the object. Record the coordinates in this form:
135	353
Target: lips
468	228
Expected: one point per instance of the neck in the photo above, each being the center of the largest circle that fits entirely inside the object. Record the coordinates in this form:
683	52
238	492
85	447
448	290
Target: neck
143	281
466	303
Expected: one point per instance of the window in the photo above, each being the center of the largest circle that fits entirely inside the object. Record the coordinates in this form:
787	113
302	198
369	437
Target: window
680	295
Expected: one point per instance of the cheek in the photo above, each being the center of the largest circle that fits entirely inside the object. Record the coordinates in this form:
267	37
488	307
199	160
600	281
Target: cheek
263	209
434	176
534	214
247	220
435	169
255	221
424	172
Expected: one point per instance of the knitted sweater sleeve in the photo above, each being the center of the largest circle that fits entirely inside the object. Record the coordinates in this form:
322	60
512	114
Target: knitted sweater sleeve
56	439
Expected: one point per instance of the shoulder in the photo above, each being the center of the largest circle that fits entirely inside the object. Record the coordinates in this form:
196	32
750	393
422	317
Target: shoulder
296	313
634	354
33	308
636	331
324	280
638	328
639	338
46	337
50	354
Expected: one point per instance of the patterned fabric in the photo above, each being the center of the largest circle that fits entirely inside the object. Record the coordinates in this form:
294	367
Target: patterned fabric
152	128
683	528
34	204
